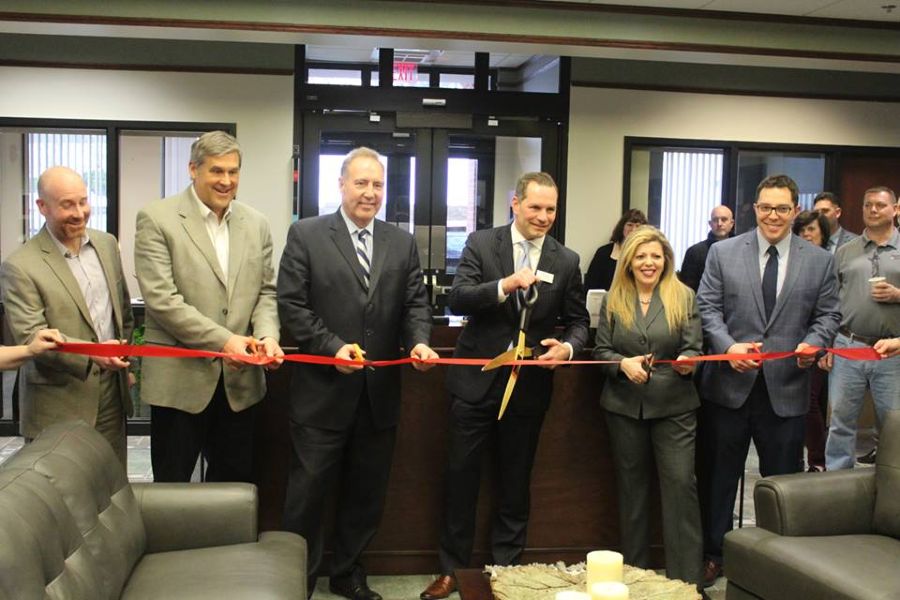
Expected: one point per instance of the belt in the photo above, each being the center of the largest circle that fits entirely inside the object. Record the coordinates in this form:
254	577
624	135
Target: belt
863	339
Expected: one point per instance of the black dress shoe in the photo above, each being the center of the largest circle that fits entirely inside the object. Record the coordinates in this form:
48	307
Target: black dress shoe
352	588
712	570
868	458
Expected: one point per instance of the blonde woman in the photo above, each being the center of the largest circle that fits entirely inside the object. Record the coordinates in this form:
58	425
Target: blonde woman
650	315
12	357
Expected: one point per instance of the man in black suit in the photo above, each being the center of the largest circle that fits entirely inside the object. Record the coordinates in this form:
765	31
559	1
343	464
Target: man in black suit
347	279
486	288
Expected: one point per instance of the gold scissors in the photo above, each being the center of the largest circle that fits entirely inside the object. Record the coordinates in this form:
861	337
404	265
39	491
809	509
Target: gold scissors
527	302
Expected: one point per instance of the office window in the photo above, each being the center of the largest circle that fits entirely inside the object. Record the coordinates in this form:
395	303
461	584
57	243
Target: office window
334	76
83	152
806	168
677	188
691	188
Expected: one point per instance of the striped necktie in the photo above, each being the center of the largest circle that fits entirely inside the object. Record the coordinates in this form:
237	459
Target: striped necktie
362	252
523	262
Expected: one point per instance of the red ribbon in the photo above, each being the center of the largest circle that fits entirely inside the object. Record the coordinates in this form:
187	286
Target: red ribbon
867	353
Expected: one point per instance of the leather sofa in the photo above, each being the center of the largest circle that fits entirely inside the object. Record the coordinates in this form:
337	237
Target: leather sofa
71	526
833	535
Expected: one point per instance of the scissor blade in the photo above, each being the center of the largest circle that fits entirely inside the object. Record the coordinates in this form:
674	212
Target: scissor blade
505	357
513	375
499	360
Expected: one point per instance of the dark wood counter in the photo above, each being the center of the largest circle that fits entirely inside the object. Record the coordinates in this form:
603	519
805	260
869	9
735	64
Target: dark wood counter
573	485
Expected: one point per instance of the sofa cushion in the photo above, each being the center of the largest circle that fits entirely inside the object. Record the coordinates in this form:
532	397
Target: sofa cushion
824	567
83	468
886	519
272	568
42	553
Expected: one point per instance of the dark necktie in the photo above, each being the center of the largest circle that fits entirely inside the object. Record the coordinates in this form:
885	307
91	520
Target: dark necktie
770	281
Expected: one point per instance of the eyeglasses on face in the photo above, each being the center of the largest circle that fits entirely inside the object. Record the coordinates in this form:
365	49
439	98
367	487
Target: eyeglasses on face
782	210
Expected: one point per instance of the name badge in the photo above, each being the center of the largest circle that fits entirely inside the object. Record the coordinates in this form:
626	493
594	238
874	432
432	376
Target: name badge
544	276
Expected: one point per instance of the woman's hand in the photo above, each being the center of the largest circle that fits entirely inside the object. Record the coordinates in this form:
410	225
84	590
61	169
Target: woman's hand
683	368
634	368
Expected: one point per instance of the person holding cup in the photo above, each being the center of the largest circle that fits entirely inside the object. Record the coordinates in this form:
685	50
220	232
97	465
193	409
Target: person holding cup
868	270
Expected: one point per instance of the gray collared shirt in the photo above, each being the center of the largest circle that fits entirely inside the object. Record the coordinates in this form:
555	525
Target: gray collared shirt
88	272
856	262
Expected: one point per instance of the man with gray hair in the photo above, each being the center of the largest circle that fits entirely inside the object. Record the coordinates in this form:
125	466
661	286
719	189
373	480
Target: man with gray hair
349	287
204	266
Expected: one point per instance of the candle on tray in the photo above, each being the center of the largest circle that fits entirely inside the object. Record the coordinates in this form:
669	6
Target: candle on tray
609	590
572	595
603	565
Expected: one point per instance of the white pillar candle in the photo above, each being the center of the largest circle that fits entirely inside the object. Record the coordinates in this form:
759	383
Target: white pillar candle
609	590
572	595
603	565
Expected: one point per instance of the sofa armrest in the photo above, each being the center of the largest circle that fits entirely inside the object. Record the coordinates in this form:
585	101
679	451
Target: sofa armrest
181	516
803	504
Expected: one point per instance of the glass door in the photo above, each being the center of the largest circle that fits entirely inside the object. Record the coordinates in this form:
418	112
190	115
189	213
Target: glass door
441	184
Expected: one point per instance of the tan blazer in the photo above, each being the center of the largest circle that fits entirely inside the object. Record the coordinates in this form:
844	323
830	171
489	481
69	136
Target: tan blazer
190	304
39	291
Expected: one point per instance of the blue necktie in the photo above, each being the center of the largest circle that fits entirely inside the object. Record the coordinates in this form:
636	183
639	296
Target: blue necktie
770	281
362	251
523	262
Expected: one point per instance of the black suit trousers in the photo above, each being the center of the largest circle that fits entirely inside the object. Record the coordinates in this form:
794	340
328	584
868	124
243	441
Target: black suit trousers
356	460
725	435
223	436
473	426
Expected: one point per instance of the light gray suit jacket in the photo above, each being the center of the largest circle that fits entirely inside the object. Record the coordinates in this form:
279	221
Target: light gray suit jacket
190	304
667	393
732	310
39	291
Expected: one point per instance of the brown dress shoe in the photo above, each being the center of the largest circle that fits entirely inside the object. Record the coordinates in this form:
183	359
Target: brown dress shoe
441	587
711	571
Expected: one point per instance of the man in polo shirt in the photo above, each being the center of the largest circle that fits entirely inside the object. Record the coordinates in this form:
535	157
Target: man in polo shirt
868	271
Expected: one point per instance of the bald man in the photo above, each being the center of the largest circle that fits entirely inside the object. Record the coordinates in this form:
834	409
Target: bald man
721	223
69	277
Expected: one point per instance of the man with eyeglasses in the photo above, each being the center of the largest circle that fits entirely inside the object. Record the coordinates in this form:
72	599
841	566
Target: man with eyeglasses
721	224
762	291
868	272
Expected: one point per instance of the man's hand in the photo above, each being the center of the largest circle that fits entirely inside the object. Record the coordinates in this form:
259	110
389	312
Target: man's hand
238	344
743	366
111	363
885	292
634	368
270	348
888	347
826	362
683	368
43	340
556	350
422	352
520	280
807	355
349	352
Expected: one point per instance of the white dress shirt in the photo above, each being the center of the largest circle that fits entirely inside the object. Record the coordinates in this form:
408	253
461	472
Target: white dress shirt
217	230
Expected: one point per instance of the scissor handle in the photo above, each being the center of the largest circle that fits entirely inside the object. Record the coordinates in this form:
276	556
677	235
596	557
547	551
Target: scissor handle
528	298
